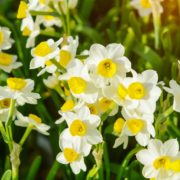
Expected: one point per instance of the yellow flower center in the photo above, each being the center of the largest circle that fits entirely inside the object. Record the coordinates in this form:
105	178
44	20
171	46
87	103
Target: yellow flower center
162	162
42	49
105	104
16	83
65	57
42	1
175	165
5	59
118	125
107	68
136	90
92	108
145	3
1	37
68	105
49	63
77	85
35	118
26	31
22	10
135	125
5	103
70	155
122	92
78	128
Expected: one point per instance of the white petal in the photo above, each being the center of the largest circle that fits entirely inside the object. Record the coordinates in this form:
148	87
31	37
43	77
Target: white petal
171	147
60	158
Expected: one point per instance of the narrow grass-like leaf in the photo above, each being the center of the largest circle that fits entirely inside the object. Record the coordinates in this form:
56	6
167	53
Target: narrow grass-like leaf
34	168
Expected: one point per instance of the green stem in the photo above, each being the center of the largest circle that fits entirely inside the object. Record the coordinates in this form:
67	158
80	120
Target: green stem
26	135
126	162
157	25
3	132
44	13
60	92
58	65
15	172
67	19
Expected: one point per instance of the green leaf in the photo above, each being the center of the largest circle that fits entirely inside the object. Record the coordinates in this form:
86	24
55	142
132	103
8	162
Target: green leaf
53	171
6	175
34	168
151	59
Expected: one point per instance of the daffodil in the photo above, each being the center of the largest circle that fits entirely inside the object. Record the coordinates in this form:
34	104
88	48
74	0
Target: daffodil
8	62
20	90
157	158
5	40
44	52
106	64
175	90
136	124
138	92
4	108
83	125
79	82
34	121
51	82
145	7
73	154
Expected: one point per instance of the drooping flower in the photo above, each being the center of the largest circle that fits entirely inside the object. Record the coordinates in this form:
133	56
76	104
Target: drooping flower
175	90
5	40
34	121
20	90
8	62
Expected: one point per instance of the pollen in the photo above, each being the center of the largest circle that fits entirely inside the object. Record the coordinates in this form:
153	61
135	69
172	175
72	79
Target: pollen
35	118
16	83
118	125
107	68
70	155
162	162
78	128
26	31
136	90
5	103
42	49
5	59
65	58
145	3
1	37
68	105
135	125
105	104
77	85
93	109
22	10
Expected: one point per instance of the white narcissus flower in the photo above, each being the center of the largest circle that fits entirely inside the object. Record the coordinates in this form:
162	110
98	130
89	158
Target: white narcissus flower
34	121
5	40
73	153
30	29
79	82
175	90
4	108
8	62
51	82
145	7
138	92
44	52
136	124
67	52
106	64
157	158
83	125
20	90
